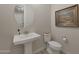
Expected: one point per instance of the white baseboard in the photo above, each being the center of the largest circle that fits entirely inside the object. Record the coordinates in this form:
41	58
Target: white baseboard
38	50
4	51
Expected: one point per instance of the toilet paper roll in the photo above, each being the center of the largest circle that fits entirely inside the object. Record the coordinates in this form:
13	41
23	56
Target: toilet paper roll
65	40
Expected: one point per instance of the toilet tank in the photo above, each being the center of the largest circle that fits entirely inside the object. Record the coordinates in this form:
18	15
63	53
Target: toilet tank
47	37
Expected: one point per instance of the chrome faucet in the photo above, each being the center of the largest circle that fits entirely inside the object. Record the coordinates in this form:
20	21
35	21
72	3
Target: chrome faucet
19	31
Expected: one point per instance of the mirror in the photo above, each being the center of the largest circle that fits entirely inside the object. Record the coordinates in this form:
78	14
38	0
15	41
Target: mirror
19	16
24	17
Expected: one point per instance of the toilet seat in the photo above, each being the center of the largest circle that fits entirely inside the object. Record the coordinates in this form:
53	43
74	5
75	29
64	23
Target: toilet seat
55	45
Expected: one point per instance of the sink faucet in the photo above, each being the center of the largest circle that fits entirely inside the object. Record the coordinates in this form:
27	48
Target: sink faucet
19	31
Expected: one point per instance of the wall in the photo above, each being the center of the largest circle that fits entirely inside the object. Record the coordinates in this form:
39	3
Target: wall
58	33
39	15
8	28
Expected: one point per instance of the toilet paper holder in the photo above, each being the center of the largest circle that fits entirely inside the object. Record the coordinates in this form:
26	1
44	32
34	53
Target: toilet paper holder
65	39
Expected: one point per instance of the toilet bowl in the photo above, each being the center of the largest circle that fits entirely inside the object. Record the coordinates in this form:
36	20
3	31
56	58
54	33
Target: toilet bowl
54	47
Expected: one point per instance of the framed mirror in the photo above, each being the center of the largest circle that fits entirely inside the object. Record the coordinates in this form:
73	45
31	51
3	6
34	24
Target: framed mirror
19	16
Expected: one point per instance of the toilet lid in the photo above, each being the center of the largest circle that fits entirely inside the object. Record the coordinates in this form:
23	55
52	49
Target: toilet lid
55	44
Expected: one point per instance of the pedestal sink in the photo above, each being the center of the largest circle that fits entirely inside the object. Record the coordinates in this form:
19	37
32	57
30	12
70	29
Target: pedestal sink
27	40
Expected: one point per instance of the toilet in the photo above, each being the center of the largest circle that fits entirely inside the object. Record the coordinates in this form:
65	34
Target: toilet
52	47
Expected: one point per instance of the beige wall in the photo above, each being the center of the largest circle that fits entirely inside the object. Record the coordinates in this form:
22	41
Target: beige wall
58	33
8	28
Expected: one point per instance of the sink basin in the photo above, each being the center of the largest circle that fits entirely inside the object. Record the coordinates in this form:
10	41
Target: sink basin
25	38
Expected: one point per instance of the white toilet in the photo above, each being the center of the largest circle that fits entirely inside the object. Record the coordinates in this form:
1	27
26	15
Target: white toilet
53	47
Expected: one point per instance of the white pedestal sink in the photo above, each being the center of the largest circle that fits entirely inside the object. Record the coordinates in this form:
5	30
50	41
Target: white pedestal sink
26	39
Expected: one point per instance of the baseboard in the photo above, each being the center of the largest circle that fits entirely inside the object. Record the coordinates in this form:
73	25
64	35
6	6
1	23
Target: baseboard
38	50
4	51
